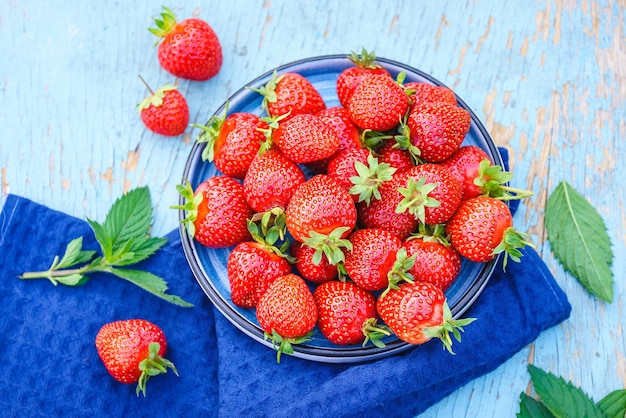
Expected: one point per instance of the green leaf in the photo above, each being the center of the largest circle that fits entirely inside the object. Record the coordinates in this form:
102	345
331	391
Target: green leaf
103	238
149	282
74	254
579	239
532	408
129	217
75	279
561	398
139	249
614	404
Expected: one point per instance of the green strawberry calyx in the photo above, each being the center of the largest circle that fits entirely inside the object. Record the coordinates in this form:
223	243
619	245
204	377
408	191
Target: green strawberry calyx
403	140
492	181
269	231
431	233
285	345
164	25
400	270
192	201
374	332
153	365
369	178
268	91
330	245
449	325
210	133
156	97
366	59
512	241
272	124
416	198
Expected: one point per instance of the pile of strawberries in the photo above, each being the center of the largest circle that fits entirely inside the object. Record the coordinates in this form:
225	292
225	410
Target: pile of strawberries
340	217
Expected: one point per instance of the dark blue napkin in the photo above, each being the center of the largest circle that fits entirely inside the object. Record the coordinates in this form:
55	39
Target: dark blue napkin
49	364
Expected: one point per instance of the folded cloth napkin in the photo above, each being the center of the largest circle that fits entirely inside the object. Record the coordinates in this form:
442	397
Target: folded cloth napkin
50	366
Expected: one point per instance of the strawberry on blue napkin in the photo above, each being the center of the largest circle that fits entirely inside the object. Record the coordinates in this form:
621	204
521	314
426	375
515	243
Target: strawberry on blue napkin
50	366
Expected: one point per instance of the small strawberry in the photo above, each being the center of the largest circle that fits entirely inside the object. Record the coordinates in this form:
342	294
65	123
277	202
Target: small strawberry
165	112
482	228
347	314
437	129
232	141
271	181
417	312
190	49
305	138
430	193
132	351
304	255
378	103
216	212
424	92
287	313
436	262
290	94
397	158
349	78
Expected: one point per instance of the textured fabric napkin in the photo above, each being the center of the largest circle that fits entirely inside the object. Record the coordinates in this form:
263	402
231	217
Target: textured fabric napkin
49	364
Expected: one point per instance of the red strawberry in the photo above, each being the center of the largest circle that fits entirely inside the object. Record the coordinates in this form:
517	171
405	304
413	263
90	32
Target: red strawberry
435	262
315	273
232	142
378	103
482	228
424	92
305	138
290	94
381	213
372	257
132	351
217	212
437	129
430	193
271	181
252	266
350	77
417	312
287	313
189	49
397	158
347	314
320	205
165	112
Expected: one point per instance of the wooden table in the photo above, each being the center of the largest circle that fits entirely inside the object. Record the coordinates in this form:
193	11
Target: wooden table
547	78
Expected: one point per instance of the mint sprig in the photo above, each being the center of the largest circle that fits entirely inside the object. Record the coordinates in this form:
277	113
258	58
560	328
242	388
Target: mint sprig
579	240
124	239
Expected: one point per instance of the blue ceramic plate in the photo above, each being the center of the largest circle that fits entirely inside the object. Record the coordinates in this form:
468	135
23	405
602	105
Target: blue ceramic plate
209	265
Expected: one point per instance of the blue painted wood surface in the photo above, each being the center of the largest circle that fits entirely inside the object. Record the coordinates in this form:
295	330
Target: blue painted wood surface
547	78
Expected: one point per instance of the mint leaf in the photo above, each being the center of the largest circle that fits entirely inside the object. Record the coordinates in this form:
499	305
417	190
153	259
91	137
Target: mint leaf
561	398
103	238
129	217
149	282
614	404
579	240
74	254
532	408
138	250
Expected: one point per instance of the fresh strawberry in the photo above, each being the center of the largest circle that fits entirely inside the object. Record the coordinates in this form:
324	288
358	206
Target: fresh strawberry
251	269
479	177
290	94
435	262
232	141
347	314
425	92
482	228
378	103
216	212
305	138
397	158
417	312
132	351
372	257
189	49
381	213
315	273
430	193
437	129
165	112
320	205
287	313
271	181
349	78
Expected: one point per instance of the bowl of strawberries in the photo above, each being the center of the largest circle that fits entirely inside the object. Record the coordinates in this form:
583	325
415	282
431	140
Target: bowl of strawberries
330	209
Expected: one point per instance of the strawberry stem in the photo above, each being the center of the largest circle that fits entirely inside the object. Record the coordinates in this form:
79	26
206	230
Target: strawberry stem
146	84
153	365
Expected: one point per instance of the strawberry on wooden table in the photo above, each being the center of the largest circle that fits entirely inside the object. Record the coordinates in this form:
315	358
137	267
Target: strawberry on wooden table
165	111
287	313
132	351
190	49
417	312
